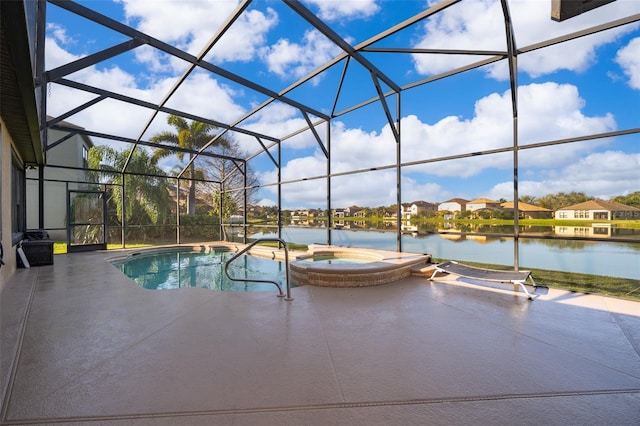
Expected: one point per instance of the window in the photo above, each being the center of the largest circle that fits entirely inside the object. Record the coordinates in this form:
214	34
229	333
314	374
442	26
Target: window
17	200
581	231
601	230
601	215
581	214
85	157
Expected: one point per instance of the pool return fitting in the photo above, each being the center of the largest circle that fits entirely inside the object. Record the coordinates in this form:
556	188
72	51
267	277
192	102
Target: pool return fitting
256	280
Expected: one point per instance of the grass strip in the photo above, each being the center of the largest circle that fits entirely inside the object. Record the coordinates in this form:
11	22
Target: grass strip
573	281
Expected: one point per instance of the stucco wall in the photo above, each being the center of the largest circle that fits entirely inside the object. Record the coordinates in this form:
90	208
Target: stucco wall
5	205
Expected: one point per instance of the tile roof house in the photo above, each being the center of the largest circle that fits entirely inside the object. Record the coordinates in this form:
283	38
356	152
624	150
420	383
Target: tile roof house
529	211
453	205
598	210
482	203
412	209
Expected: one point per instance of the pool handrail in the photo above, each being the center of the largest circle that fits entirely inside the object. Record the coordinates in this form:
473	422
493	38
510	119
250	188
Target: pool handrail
257	280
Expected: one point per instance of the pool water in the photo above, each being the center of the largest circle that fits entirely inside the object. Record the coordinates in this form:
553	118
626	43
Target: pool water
182	269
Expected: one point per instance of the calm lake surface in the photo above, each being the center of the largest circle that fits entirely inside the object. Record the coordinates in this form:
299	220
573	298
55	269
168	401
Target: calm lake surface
616	259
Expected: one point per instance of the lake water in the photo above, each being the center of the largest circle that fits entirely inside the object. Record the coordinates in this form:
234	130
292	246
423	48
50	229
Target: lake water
616	259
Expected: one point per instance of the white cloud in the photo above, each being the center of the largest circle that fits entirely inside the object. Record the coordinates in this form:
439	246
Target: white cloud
603	175
629	59
286	58
195	96
298	168
187	24
278	119
548	111
244	40
117	118
265	202
478	25
373	188
55	55
59	33
332	10
412	190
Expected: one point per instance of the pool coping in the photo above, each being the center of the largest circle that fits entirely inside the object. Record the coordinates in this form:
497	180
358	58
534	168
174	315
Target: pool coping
386	267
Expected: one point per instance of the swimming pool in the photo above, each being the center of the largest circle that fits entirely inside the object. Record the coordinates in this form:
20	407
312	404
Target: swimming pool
185	268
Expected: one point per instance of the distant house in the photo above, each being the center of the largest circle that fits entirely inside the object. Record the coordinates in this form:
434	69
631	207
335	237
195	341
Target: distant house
254	211
390	213
596	230
354	211
360	213
73	153
482	203
598	210
300	215
340	212
413	209
453	205
529	211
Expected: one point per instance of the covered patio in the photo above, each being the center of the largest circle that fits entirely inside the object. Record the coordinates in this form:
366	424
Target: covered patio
80	343
83	344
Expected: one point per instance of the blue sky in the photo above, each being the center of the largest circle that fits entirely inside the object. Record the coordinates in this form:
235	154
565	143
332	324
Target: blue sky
586	86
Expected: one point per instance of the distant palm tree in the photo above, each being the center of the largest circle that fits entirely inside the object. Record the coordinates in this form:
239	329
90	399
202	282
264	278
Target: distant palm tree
190	135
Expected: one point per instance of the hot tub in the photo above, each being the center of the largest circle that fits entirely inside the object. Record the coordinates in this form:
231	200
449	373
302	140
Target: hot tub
335	266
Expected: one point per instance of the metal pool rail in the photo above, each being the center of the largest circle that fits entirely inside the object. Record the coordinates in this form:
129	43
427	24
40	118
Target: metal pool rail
257	280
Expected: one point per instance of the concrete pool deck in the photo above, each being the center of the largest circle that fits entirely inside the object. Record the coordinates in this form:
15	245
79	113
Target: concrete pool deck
82	344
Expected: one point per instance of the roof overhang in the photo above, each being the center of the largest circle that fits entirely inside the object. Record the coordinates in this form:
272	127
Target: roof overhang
565	9
18	101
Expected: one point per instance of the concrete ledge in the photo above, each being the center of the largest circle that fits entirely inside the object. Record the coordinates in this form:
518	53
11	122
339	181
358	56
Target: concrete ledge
369	267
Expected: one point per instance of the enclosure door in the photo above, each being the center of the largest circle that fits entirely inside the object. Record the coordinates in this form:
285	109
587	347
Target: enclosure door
87	227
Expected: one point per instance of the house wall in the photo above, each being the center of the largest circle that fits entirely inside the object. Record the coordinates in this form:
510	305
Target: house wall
536	215
582	214
452	207
9	257
476	206
479	206
584	231
68	154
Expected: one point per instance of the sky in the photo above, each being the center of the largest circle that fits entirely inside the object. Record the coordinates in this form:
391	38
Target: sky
587	86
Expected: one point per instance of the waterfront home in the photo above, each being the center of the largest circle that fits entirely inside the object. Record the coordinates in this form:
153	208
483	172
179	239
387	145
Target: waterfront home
528	211
450	207
482	203
413	209
598	210
360	213
453	205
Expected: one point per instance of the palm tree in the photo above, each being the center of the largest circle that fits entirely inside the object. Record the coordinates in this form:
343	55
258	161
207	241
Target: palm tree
190	135
147	199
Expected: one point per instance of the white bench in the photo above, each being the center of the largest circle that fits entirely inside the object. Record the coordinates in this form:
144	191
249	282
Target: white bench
517	278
